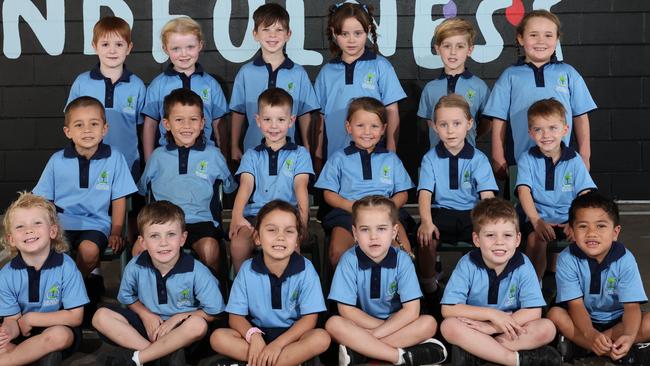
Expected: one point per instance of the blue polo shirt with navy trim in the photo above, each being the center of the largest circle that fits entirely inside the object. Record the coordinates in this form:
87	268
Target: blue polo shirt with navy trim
354	173
56	286
274	173
189	286
456	181
474	283
473	89
123	102
249	84
604	287
186	177
379	289
553	185
200	82
521	85
82	189
276	302
338	83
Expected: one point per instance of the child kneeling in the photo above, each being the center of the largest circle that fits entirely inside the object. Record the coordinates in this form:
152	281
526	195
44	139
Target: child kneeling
388	326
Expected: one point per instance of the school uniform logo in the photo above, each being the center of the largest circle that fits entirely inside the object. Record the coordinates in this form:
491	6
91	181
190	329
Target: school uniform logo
562	84
512	295
467	180
184	298
392	290
385	175
567	182
610	286
52	295
288	167
205	94
293	299
470	95
102	182
129	107
369	81
201	170
291	87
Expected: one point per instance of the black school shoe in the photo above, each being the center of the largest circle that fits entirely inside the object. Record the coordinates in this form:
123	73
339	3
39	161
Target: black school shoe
639	355
177	358
428	352
460	357
542	356
111	355
349	357
51	359
569	350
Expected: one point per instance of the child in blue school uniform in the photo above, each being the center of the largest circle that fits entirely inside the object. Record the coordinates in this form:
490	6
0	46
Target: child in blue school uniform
599	289
550	175
170	297
276	169
41	290
454	175
454	43
271	68
121	92
184	172
492	304
182	41
378	297
361	169
536	75
275	299
355	71
85	180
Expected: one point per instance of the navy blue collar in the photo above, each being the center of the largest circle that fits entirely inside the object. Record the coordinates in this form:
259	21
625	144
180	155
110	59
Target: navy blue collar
522	61
199	145
367	55
103	152
615	253
467	152
465	74
353	149
288	146
54	259
389	261
567	153
96	74
286	64
184	264
169	71
296	265
515	262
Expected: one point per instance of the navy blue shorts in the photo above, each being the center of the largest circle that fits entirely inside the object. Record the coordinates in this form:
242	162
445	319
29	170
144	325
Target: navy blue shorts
75	237
454	225
340	218
601	327
527	228
271	334
199	230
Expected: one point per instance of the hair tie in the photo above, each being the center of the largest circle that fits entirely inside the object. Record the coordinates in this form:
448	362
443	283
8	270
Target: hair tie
337	6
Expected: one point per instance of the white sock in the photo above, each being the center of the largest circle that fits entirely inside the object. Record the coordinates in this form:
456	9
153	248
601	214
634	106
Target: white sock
400	359
517	358
136	358
429	285
97	271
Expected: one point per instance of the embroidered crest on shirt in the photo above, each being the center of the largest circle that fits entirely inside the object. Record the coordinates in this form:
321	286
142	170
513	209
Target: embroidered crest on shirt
562	84
202	169
392	290
288	167
369	81
469	96
184	298
102	183
291	87
610	286
385	175
467	179
567	182
512	295
293	300
130	105
52	295
205	94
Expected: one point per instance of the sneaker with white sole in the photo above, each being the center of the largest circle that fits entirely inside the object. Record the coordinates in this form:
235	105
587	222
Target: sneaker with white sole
429	352
349	357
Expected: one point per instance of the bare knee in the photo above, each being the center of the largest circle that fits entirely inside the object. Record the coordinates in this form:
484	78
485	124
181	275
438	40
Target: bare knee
207	249
88	252
450	329
426	325
320	341
336	325
101	318
545	332
57	338
195	327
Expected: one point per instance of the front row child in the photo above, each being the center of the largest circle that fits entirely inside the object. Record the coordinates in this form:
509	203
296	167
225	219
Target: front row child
599	288
170	297
277	168
41	290
492	304
361	169
453	177
388	325
276	297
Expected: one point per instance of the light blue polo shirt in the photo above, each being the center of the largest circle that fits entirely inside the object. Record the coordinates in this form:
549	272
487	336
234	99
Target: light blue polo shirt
456	181
186	177
274	173
249	84
82	190
189	286
371	75
200	82
123	102
274	302
553	186
379	288
56	286
521	85
604	287
474	90
354	173
473	283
